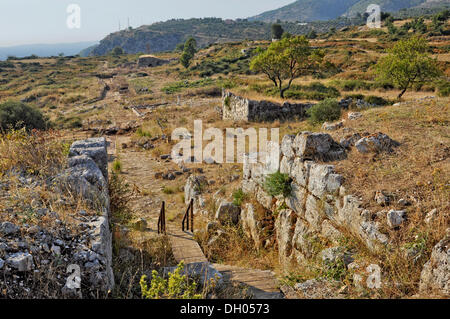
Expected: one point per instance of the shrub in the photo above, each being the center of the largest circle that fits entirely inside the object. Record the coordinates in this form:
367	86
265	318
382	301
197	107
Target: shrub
120	195
327	110
17	115
177	286
239	197
444	88
278	184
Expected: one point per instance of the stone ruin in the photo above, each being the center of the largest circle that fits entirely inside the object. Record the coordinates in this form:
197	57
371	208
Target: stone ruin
321	208
146	61
237	108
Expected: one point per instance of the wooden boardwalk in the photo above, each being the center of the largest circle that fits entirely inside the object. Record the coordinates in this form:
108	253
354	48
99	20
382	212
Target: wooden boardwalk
184	247
261	284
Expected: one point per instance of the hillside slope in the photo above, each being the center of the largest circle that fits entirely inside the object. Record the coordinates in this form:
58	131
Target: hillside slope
307	10
313	10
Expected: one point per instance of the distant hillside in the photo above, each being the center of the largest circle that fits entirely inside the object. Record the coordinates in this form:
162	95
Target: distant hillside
164	36
312	10
386	5
307	10
43	50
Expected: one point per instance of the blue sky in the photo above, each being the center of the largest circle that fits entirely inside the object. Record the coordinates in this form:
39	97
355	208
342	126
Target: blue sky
44	21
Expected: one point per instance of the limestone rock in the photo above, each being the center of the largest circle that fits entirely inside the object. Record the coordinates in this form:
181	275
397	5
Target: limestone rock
287	148
332	126
285	225
21	261
228	213
318	146
7	228
436	272
376	143
395	218
251	224
350	140
354	115
323	179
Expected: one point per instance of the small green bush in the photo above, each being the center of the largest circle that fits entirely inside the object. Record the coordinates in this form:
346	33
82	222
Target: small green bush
143	133
327	110
239	197
17	115
177	286
278	184
117	166
444	88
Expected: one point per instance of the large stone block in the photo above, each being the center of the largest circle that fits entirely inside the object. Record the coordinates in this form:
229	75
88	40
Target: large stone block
303	240
318	147
251	224
95	148
297	200
313	212
228	213
285	226
287	146
323	180
300	171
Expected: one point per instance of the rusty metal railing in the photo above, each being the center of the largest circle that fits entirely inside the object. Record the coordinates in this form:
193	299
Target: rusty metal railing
162	219
189	215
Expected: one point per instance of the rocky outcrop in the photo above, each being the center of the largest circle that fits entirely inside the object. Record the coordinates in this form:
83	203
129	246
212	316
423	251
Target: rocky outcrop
237	108
318	206
435	275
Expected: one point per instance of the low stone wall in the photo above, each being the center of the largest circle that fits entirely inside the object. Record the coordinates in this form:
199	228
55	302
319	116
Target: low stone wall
87	176
237	108
319	206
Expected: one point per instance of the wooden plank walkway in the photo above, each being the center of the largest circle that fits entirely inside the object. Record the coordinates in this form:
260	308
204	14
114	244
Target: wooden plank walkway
261	284
184	247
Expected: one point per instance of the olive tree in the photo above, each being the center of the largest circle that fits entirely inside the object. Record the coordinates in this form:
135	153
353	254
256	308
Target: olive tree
408	63
286	60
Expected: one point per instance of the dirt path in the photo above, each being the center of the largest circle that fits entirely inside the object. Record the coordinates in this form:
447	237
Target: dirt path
139	170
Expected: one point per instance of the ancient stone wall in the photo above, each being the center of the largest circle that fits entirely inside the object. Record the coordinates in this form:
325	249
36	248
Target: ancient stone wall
88	176
319	206
237	108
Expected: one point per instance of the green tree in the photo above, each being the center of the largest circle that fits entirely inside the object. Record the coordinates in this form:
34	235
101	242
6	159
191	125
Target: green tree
189	50
117	51
191	46
277	31
286	60
408	63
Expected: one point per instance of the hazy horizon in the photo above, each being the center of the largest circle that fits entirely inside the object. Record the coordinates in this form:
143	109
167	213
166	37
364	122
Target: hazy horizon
30	22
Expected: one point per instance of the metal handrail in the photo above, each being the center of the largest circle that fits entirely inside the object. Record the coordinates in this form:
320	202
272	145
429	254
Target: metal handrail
186	217
162	219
